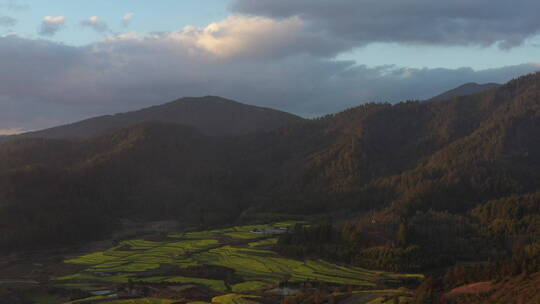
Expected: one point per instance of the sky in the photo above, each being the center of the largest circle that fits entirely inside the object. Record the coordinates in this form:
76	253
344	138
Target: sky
66	60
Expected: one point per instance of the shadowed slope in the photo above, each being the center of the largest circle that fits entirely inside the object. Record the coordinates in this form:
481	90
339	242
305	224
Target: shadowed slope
211	115
443	155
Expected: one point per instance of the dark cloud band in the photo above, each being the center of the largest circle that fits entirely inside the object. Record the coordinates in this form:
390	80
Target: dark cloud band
457	22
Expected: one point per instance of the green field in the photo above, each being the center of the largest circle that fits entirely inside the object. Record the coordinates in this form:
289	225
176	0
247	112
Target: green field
263	243
238	232
249	286
267	266
235	299
140	301
147	301
247	254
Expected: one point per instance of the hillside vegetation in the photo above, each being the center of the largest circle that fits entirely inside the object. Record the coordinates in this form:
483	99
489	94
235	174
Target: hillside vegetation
435	183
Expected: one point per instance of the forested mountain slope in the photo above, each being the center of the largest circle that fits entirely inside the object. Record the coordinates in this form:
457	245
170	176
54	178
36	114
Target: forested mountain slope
449	155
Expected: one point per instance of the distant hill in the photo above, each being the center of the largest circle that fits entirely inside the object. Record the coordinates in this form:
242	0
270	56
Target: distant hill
466	89
211	115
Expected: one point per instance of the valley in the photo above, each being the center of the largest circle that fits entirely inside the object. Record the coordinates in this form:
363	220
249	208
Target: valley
405	203
269	152
230	265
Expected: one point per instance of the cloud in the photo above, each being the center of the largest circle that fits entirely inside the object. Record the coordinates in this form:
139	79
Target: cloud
96	23
458	22
14	5
251	38
50	25
51	83
127	18
7	21
240	36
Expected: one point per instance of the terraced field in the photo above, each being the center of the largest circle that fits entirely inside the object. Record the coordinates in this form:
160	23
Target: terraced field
225	299
141	301
266	266
185	259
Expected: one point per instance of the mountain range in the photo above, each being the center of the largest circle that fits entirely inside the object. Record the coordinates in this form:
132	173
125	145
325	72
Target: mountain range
211	115
211	160
449	187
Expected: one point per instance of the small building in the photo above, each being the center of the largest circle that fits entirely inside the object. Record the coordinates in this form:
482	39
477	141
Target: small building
269	231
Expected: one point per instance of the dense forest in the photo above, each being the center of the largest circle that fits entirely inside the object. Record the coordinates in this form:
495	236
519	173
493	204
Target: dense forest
434	184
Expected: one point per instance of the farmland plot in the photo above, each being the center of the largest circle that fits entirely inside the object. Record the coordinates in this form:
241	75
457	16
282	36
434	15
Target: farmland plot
237	250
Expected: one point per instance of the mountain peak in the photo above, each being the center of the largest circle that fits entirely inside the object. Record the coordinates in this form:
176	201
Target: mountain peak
211	115
207	98
466	89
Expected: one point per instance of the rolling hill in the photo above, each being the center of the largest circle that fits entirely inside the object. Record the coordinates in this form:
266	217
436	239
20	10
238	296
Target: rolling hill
211	115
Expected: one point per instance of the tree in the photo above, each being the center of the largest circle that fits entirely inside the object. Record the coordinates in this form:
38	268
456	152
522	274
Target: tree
403	236
426	293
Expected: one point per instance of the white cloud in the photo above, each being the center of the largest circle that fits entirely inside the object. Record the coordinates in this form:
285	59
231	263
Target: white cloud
50	25
249	38
241	36
96	23
127	18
